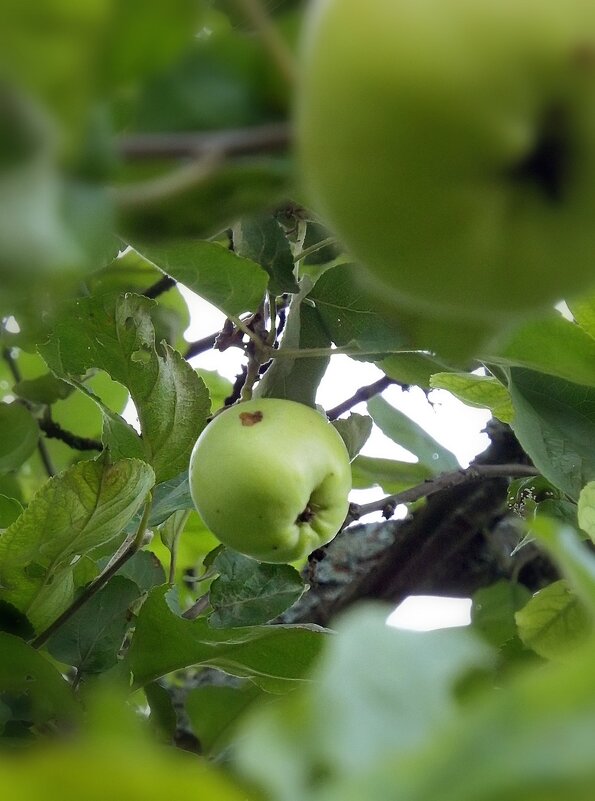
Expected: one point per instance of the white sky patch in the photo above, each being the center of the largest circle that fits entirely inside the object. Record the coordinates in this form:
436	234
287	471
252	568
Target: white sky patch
428	612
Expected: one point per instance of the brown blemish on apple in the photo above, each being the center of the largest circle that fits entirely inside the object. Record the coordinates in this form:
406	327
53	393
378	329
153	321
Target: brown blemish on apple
250	418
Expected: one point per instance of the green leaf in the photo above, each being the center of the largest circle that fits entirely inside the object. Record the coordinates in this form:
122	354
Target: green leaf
355	431
239	186
586	510
215	712
26	673
221	82
493	610
583	311
412	368
100	768
95	399
45	389
249	593
378	694
83	508
554	622
144	569
10	509
34	234
19	435
528	741
409	435
117	435
275	657
190	550
91	639
349	315
573	557
133	273
261	239
393	476
115	333
169	497
231	283
483	392
553	345
219	387
144	37
555	424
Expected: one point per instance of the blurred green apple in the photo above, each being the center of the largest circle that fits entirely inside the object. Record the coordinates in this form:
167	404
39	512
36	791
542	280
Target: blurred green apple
451	145
270	478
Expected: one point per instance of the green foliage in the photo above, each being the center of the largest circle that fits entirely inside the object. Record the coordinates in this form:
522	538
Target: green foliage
231	283
116	334
493	611
274	657
249	595
484	392
83	509
19	436
147	148
554	421
554	622
354	431
91	639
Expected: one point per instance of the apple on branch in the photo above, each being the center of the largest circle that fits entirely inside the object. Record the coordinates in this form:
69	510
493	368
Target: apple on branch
271	478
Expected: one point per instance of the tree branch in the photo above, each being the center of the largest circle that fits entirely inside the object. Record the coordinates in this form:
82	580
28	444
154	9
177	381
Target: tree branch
54	430
159	287
363	394
445	481
197	608
201	345
233	142
41	446
140	194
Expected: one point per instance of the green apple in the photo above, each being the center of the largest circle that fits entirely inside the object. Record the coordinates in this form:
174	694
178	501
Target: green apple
451	146
271	479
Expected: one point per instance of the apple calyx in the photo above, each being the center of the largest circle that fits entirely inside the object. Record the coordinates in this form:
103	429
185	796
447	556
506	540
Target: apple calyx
547	166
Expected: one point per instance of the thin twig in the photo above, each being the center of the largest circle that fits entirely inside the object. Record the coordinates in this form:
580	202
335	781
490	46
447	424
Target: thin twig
140	194
12	364
201	345
54	430
233	142
197	608
330	240
98	583
159	287
41	446
363	394
445	481
271	38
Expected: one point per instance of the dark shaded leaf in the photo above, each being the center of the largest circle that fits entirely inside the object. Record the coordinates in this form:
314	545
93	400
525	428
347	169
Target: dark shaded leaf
249	593
91	639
